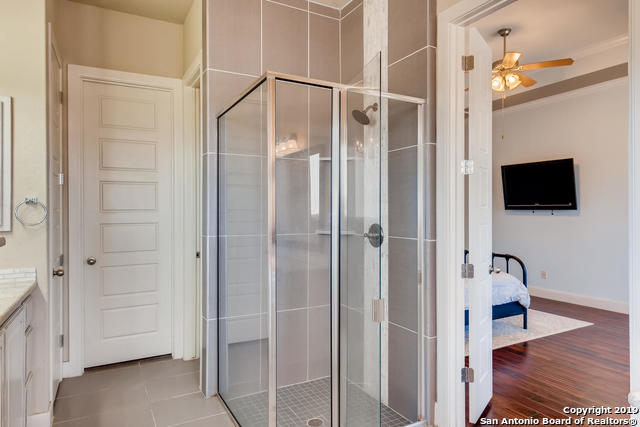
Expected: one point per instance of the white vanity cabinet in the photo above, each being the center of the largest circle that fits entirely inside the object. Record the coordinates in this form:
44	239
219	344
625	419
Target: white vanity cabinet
14	335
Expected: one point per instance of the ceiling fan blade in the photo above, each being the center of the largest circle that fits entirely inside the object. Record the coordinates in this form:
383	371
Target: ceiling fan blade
526	80
547	64
510	59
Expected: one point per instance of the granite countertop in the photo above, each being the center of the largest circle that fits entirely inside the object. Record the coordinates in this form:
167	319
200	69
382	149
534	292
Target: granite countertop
12	294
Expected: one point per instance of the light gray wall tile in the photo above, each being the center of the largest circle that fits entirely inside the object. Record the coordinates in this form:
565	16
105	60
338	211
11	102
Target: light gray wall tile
430	289
432	29
240	195
403	193
292	347
324	48
242	130
403	124
320	124
319	342
210	195
407	27
209	357
209	264
292	271
430	346
324	10
235	35
430	191
300	4
352	50
292	118
403	365
240	275
352	345
403	281
431	95
319	270
284	39
409	76
349	7
292	196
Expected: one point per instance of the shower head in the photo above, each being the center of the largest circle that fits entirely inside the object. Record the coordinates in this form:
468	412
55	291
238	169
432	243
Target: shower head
361	115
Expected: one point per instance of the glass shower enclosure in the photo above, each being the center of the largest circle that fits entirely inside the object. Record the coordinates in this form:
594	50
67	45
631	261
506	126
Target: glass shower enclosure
301	247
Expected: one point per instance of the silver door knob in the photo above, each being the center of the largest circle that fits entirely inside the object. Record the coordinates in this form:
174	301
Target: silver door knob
58	272
91	260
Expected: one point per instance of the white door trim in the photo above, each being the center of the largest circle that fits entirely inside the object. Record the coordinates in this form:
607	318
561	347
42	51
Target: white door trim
192	133
76	76
450	406
52	49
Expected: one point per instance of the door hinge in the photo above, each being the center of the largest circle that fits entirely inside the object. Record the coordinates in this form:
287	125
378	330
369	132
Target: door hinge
61	340
467	63
466	375
377	310
61	97
60	179
467	271
466	167
197	254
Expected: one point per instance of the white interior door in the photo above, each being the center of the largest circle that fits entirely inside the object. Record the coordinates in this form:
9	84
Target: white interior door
480	212
127	134
56	213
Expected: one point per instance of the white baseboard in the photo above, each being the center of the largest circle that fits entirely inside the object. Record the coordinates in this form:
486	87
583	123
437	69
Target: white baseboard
43	419
601	303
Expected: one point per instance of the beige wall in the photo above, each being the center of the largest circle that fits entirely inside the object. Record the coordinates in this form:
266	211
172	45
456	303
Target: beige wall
97	37
23	77
585	252
192	40
22	51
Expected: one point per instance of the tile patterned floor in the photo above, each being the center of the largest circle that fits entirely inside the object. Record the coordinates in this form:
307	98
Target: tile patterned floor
299	403
155	392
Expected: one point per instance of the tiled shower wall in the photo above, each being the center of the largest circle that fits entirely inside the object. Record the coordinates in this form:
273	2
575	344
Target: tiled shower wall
244	38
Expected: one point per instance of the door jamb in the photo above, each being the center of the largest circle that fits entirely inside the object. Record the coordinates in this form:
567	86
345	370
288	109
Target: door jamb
192	133
77	75
52	49
450	405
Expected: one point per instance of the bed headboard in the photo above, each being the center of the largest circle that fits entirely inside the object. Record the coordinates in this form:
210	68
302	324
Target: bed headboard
507	258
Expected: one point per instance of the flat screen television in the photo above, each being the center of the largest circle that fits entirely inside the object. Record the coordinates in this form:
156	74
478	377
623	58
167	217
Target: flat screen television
549	185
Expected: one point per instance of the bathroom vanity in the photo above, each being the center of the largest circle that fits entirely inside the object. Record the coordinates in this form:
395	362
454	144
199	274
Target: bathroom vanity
16	343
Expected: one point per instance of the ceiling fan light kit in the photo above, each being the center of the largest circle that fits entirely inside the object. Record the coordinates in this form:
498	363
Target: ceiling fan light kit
507	74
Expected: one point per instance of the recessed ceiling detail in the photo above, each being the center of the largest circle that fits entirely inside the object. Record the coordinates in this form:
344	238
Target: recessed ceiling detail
165	10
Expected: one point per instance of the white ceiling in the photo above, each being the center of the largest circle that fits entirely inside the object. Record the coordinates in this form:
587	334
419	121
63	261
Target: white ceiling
552	29
164	10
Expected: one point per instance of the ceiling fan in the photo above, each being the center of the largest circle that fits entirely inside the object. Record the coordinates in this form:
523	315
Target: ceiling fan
507	74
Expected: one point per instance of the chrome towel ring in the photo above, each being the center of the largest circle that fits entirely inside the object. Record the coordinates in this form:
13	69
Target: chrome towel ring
31	201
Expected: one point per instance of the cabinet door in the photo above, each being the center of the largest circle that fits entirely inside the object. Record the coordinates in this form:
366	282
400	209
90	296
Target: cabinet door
15	366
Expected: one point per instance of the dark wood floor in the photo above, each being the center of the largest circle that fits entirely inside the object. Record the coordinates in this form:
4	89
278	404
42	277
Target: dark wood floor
580	368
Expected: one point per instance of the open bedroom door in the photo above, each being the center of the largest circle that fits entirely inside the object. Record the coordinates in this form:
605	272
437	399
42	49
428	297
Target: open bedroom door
480	215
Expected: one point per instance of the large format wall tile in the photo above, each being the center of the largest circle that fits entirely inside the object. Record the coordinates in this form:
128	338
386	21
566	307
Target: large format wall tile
403	282
319	269
407	27
409	76
403	365
352	50
284	39
324	48
292	196
319	342
235	35
403	196
292	347
292	271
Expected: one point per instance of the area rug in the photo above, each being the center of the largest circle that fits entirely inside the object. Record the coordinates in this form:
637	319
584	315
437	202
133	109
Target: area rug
509	331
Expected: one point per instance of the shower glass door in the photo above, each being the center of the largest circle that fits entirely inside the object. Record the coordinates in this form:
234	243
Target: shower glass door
362	308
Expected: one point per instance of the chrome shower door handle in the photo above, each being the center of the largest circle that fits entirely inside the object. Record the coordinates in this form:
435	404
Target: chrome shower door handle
375	235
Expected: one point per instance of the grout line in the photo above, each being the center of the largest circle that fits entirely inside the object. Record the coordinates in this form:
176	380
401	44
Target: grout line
402	148
402	327
342	17
146	392
232	72
411	54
